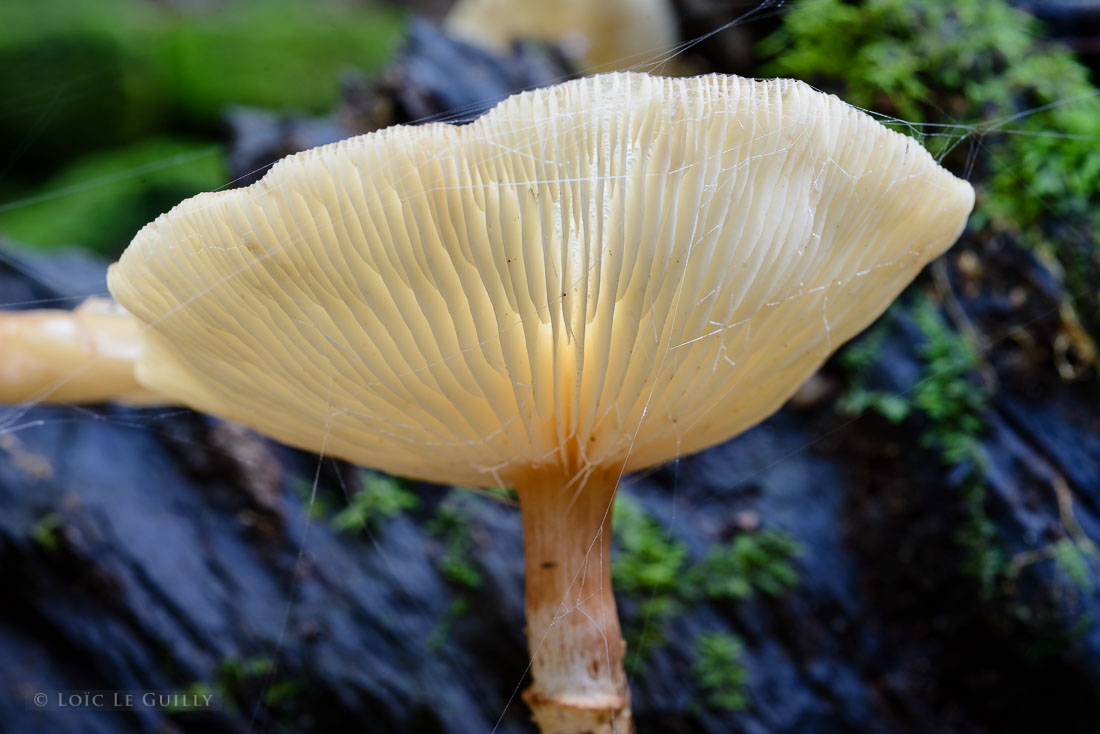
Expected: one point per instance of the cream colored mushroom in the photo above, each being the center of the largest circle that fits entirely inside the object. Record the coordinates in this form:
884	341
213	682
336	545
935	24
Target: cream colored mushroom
591	279
85	355
596	35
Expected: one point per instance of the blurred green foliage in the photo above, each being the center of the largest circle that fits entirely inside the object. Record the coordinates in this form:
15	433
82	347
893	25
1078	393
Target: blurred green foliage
452	525
278	54
236	679
949	393
977	84
101	200
96	89
1074	562
759	559
649	566
649	560
858	358
456	610
317	504
457	564
381	498
79	75
45	531
719	671
502	494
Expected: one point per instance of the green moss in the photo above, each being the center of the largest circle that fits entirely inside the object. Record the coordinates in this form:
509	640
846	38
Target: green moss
318	507
719	671
1034	117
858	400
457	609
381	498
952	403
649	566
949	393
44	531
759	559
235	671
504	494
1076	563
984	559
281	691
656	572
235	680
648	559
948	404
857	359
902	57
451	525
199	690
70	82
133	54
456	564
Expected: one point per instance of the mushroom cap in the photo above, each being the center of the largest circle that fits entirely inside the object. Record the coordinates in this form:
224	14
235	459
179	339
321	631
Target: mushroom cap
615	271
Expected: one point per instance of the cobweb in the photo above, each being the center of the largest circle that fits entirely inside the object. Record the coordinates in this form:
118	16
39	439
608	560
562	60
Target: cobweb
969	135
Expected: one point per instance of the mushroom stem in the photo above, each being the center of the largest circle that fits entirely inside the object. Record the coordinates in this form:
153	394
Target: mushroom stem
86	355
572	624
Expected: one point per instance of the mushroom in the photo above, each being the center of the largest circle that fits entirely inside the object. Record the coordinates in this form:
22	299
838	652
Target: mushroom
596	36
591	279
85	355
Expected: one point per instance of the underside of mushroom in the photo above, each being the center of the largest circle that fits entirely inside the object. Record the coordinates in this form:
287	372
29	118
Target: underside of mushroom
591	279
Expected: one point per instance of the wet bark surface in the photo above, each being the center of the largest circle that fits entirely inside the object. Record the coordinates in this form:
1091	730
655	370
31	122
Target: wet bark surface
160	550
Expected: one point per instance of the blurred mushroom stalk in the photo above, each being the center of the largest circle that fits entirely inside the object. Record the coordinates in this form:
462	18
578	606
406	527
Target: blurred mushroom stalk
85	355
602	36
